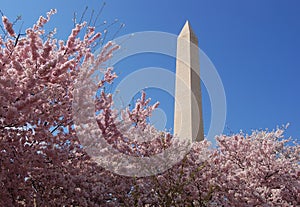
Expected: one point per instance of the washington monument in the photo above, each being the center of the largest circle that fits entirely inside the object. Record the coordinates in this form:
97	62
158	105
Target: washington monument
188	121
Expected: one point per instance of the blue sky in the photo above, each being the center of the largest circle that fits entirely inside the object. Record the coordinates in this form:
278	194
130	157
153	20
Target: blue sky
254	45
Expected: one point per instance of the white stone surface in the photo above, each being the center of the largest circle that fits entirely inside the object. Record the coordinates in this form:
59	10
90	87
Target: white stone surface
188	121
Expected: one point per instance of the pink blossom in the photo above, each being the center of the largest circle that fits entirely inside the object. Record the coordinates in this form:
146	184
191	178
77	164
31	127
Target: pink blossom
8	26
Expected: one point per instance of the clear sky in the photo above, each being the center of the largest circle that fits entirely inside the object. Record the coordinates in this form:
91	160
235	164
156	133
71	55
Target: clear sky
254	45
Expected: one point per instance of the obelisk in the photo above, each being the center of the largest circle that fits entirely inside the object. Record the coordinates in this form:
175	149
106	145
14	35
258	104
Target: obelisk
188	121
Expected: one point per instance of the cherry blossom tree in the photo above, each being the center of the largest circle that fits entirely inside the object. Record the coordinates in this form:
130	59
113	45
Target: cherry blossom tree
246	170
257	169
40	154
43	162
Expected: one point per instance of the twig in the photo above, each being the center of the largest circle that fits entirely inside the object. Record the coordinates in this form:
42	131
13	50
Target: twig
96	19
81	18
74	19
92	14
117	32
